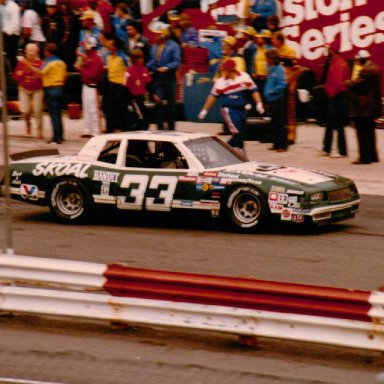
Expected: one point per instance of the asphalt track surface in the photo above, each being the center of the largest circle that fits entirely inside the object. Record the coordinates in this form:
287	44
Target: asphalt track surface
348	255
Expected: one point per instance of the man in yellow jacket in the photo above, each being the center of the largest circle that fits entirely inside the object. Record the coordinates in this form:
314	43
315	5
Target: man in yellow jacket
53	72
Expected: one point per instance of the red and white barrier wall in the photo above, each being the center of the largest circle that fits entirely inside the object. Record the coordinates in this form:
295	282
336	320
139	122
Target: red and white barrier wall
241	306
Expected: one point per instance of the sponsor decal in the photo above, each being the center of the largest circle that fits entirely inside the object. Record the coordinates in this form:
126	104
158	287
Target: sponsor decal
276	208
293	202
202	187
106	176
281	198
229	175
297	218
105	186
186	203
16	178
210	174
286	215
275	188
295	192
29	192
216	195
61	169
249	181
204	180
188	179
226	181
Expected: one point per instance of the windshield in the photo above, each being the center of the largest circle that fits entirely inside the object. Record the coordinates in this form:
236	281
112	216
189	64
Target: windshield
214	153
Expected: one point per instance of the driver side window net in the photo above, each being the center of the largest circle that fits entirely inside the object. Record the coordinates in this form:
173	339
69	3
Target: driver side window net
109	152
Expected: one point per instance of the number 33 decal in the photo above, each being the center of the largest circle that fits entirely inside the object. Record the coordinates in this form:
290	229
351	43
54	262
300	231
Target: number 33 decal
137	186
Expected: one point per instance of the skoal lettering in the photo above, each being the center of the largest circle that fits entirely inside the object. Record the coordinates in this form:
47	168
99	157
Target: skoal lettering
61	169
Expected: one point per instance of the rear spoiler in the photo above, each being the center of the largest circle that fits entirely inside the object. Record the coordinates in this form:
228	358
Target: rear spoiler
34	153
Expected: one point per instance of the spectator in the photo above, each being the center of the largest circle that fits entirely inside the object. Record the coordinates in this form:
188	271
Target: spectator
273	23
228	51
366	106
89	28
92	7
274	93
91	70
285	51
115	95
11	28
165	60
53	73
259	11
173	18
189	35
106	10
53	24
293	71
232	88
137	41
248	50
288	57
261	67
336	109
70	42
120	21
30	87
138	81
31	27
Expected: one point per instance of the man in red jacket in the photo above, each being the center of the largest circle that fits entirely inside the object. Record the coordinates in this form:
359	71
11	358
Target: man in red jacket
91	68
336	90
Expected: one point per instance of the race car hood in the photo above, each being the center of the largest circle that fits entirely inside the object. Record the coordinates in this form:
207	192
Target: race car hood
299	175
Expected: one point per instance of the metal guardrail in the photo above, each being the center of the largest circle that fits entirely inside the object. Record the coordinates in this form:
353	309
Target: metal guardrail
239	306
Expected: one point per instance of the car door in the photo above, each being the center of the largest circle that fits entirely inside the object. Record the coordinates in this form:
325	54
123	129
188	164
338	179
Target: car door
151	176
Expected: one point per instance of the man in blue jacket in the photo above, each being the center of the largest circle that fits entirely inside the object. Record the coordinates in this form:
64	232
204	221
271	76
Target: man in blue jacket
275	95
164	60
260	10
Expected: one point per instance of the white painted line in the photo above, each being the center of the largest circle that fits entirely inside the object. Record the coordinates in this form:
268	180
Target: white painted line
4	380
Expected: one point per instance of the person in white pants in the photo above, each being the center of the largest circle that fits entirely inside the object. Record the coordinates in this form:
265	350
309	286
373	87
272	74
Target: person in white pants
90	65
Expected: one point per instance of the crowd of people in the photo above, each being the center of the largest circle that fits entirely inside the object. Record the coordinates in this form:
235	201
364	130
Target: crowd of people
121	69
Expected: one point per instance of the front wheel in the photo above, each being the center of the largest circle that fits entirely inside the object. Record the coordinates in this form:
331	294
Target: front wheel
69	201
246	208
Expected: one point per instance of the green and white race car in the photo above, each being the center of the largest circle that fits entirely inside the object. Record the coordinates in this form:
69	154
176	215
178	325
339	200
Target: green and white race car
168	170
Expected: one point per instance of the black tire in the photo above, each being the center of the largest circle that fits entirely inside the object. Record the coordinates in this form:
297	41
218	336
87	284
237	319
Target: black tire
246	208
69	201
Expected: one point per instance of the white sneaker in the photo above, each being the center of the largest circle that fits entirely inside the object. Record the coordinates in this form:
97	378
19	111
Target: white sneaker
338	156
323	153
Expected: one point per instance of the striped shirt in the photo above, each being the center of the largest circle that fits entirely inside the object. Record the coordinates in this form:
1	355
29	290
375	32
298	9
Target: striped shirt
233	92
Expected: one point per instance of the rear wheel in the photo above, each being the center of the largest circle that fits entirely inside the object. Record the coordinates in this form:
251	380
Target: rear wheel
69	201
246	208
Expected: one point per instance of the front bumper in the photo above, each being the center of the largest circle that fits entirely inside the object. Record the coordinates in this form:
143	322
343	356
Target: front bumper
333	213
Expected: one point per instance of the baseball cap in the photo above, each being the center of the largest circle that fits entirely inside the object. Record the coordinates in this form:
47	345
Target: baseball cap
51	3
249	31
87	15
230	40
173	15
265	33
228	65
363	54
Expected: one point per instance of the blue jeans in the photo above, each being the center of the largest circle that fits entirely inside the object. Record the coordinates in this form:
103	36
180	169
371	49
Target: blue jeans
53	99
335	121
164	86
